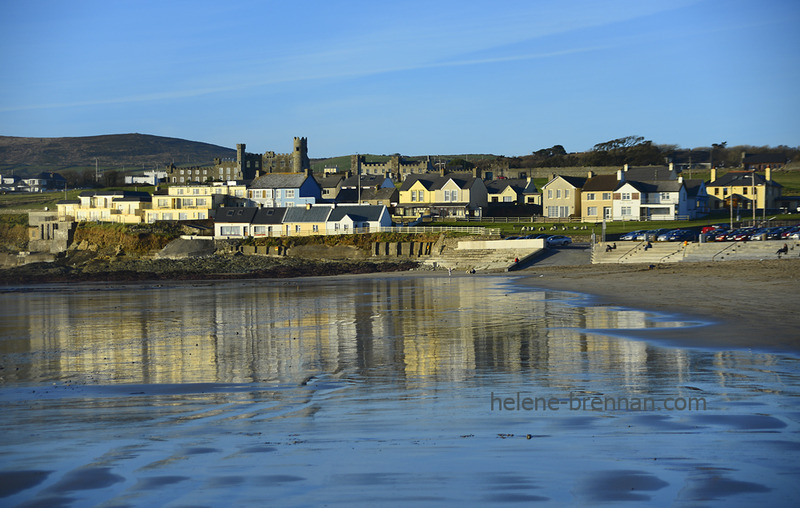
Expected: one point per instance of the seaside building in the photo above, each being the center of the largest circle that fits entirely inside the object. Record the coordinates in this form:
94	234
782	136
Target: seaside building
194	202
284	190
127	207
744	190
459	195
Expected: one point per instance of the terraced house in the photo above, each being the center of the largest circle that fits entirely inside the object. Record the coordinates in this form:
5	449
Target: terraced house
193	202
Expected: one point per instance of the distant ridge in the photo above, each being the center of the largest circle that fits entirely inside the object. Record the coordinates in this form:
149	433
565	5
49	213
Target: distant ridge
110	150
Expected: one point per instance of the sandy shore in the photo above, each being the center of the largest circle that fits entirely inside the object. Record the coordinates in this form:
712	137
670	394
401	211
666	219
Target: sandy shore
753	304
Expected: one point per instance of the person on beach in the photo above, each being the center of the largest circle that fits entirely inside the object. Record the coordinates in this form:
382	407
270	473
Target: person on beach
783	250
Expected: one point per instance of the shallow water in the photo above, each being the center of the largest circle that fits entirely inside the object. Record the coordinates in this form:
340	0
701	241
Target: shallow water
380	390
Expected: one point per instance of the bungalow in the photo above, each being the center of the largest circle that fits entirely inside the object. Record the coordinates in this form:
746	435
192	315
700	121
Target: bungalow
562	196
306	220
233	222
45	182
268	222
345	219
284	190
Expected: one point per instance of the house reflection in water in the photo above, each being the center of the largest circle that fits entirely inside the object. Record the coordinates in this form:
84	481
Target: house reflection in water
415	330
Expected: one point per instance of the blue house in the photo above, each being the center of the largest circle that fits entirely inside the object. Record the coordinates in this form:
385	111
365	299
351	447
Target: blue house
284	190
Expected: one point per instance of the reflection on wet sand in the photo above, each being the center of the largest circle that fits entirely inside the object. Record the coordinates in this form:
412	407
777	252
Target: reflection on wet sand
373	391
421	328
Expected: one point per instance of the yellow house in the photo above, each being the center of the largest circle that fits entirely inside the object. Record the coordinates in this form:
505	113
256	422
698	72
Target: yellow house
746	188
450	194
306	220
191	202
105	206
562	196
597	197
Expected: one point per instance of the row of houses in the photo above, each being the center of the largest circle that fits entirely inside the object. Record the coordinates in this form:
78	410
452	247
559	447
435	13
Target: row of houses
659	193
632	193
322	219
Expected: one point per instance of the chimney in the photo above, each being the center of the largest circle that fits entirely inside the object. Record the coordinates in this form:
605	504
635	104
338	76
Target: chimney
442	170
768	173
713	174
591	174
308	206
680	178
621	175
671	167
476	172
625	167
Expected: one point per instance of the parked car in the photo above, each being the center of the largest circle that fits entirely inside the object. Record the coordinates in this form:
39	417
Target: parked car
680	235
664	237
558	241
632	235
714	227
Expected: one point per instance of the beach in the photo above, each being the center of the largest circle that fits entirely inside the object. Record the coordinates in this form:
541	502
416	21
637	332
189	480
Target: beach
751	304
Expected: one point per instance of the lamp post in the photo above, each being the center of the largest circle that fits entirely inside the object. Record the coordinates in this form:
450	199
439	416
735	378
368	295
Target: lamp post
754	199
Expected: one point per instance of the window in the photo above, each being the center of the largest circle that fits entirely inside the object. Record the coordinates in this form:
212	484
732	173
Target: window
229	230
183	216
288	194
566	193
268	193
606	195
552	211
163	203
201	215
195	191
508	199
259	230
550	194
625	211
413	195
187	202
315	228
166	216
297	228
180	191
201	201
591	211
744	191
664	196
590	196
239	193
626	195
558	193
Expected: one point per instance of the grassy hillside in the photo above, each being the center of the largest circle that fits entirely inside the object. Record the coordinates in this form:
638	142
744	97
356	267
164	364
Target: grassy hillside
26	156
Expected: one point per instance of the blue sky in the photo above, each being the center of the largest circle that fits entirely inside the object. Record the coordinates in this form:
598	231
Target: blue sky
414	77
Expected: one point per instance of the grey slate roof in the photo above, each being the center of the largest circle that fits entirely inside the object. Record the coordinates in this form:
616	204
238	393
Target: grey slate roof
317	213
279	181
239	215
601	183
359	213
650	173
518	184
433	181
740	179
269	215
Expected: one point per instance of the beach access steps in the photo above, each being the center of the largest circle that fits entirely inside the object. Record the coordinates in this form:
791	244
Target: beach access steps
677	252
483	256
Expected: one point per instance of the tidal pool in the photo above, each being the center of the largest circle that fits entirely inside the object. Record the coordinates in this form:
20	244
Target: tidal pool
380	390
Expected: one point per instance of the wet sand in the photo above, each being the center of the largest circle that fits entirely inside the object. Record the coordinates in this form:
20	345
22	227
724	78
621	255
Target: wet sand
751	304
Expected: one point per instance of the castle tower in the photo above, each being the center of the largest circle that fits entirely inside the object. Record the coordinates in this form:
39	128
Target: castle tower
240	158
300	161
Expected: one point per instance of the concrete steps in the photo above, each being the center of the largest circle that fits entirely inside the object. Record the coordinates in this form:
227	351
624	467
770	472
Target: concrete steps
675	252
